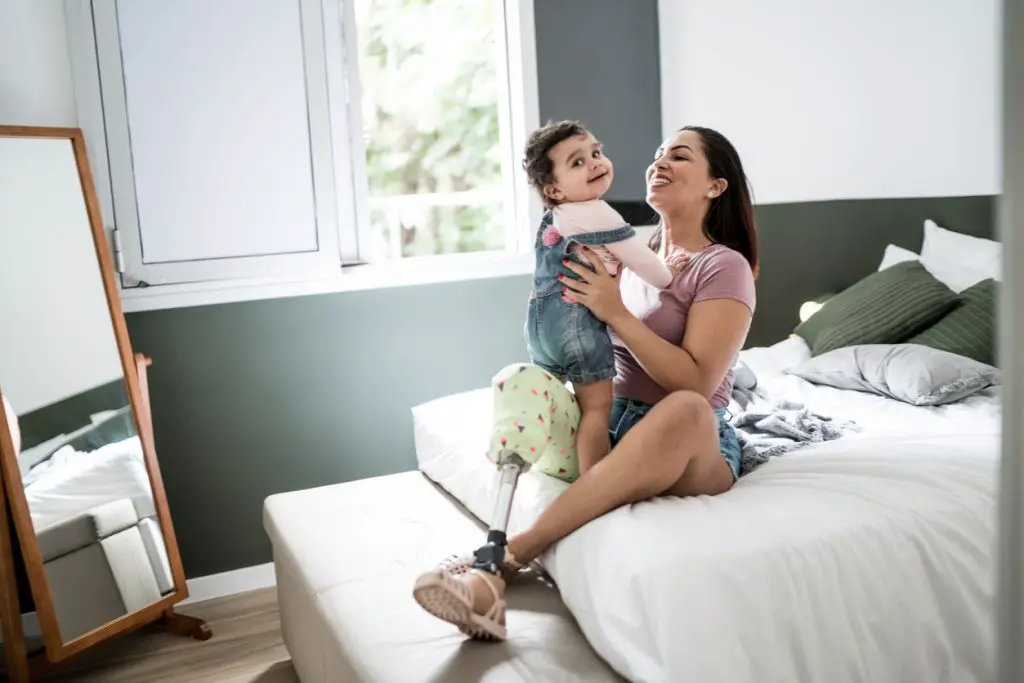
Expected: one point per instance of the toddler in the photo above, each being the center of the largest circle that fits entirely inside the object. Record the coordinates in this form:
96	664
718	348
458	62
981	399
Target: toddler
567	166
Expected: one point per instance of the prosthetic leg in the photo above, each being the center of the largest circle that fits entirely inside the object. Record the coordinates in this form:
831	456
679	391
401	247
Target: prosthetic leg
534	428
534	424
491	556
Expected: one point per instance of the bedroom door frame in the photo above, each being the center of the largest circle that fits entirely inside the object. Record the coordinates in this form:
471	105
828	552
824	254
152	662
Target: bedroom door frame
1010	552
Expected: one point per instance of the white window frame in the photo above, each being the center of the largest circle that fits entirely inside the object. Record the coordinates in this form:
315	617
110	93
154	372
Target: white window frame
342	202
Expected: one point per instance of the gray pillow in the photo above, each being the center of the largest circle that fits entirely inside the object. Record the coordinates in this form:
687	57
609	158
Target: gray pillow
912	373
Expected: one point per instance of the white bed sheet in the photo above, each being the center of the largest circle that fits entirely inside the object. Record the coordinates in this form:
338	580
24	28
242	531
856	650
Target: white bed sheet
71	481
868	558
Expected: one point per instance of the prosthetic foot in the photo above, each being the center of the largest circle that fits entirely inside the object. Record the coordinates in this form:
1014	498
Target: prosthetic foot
490	557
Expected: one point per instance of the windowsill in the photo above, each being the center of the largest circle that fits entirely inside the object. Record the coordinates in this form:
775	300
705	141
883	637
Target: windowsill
399	273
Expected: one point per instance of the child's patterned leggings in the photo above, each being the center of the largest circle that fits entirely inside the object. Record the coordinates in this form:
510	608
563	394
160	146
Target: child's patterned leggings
535	416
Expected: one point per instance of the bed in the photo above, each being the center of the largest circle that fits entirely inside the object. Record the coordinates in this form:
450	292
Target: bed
867	558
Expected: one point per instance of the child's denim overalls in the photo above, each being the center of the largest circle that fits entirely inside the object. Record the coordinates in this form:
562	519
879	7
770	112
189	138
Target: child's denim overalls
565	338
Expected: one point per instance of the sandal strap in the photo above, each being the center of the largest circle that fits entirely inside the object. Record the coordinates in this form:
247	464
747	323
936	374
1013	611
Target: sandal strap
496	611
460	564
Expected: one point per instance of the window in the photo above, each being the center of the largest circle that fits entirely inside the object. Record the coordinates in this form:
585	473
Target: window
242	141
429	74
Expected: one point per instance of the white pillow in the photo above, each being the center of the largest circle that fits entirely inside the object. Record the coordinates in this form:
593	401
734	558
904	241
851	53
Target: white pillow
959	260
894	255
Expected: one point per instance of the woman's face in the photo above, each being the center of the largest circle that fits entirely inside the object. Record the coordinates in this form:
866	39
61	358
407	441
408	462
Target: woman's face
678	177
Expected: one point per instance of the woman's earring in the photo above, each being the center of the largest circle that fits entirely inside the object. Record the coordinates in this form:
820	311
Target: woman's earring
711	195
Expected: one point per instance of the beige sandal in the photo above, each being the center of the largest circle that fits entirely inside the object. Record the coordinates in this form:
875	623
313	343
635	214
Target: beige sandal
448	597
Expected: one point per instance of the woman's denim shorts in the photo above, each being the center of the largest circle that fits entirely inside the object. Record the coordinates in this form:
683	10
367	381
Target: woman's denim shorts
626	413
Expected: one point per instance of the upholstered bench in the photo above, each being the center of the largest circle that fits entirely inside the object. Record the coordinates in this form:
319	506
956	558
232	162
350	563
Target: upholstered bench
346	557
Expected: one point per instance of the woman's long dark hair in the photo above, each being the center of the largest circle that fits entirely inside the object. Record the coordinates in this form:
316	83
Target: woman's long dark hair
730	219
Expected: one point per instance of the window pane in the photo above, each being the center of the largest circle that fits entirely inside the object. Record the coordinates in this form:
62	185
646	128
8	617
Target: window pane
429	76
206	190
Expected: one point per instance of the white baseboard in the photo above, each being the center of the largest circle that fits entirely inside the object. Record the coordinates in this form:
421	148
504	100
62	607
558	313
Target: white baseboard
230	583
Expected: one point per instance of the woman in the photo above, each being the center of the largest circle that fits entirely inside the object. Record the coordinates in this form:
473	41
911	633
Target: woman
674	350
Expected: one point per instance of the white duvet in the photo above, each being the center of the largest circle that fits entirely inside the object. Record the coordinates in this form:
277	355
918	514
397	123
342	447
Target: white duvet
864	559
70	482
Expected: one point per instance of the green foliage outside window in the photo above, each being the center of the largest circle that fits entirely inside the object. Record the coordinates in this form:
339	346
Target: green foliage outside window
429	80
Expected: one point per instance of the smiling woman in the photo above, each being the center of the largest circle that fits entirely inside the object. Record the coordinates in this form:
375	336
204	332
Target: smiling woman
730	216
671	353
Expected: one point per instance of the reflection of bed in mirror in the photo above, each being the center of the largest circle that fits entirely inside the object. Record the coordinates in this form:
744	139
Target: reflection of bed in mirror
89	498
88	491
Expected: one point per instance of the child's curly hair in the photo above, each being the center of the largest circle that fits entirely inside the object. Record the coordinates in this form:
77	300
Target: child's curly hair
540	170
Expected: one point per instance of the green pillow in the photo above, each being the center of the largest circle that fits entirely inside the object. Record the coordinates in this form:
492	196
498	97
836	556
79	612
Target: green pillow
969	329
887	307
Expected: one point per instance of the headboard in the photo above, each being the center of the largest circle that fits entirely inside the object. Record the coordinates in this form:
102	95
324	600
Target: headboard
814	248
71	413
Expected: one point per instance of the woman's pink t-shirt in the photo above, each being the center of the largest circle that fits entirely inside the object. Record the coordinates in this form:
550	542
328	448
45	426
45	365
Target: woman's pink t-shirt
716	272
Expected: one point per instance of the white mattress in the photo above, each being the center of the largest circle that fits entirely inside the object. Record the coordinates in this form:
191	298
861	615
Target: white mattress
868	558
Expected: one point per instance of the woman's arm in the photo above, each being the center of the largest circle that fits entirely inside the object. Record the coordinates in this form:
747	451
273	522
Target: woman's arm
715	330
717	324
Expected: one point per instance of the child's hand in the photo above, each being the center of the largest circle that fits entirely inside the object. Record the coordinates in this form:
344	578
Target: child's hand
677	262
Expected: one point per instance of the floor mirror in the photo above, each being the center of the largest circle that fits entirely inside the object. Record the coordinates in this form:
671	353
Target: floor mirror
91	522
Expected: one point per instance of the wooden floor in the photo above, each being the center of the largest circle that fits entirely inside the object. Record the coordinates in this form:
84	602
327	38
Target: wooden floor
246	647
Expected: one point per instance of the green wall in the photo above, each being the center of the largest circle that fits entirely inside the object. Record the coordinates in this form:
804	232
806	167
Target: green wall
260	397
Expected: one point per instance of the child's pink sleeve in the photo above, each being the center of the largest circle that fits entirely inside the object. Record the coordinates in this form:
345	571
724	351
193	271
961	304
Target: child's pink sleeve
593	215
638	257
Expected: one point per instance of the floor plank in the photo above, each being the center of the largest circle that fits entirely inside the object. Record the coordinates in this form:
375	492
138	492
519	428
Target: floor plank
246	647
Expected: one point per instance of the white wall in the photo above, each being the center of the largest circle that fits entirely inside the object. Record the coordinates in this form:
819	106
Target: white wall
57	337
841	99
35	71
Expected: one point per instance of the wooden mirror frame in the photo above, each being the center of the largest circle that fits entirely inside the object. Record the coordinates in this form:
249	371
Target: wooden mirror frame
134	371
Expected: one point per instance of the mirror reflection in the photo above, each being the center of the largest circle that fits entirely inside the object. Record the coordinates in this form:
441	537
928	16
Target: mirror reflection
81	459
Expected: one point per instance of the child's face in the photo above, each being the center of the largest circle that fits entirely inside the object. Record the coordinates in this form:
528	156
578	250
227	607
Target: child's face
582	171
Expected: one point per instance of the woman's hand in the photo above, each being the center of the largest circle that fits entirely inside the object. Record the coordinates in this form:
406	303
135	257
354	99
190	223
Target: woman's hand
598	291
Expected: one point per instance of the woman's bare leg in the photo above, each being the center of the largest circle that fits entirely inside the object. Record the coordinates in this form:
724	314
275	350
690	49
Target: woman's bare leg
673	450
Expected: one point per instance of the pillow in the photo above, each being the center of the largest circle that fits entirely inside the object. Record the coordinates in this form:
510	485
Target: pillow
970	328
959	260
886	307
915	374
894	255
